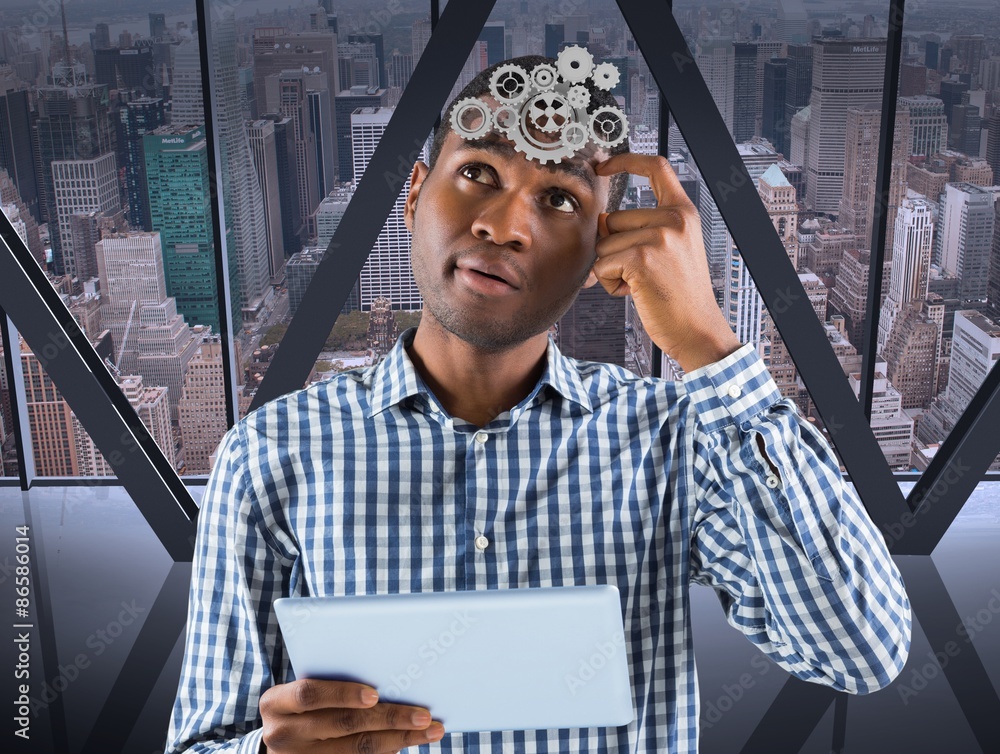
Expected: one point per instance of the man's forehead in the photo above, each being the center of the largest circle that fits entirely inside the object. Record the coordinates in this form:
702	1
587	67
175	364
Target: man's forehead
580	165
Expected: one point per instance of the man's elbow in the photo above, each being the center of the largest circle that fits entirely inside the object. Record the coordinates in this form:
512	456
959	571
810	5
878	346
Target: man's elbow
883	657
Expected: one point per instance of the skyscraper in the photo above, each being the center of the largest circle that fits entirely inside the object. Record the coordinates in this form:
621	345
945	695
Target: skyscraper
287	95
715	60
202	408
846	73
773	106
347	102
151	338
244	204
138	117
387	273
73	123
928	126
16	148
82	186
967	239
493	35
798	90
745	105
263	149
179	187
378	41
911	263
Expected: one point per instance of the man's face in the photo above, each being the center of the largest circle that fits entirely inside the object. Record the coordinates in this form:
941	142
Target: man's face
486	210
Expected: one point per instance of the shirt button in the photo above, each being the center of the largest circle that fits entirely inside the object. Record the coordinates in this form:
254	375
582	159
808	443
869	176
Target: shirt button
772	481
735	391
482	542
482	437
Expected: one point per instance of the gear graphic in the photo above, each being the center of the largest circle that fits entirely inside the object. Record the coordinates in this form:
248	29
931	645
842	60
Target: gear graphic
543	77
575	64
543	152
549	111
578	97
506	118
575	135
510	84
465	114
608	127
606	76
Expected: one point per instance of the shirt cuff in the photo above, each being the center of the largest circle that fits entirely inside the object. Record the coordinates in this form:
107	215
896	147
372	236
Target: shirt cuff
732	390
250	743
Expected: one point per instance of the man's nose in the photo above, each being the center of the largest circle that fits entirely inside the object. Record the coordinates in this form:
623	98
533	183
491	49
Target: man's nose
506	220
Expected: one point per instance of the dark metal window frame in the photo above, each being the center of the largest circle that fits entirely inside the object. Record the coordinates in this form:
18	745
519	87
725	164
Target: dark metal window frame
939	494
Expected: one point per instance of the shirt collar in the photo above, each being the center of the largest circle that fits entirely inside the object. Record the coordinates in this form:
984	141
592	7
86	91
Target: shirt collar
395	378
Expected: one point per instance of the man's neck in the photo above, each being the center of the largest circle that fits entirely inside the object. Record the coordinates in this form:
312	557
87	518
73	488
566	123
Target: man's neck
472	384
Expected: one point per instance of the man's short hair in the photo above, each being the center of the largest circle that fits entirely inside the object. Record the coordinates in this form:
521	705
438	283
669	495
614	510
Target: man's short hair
480	86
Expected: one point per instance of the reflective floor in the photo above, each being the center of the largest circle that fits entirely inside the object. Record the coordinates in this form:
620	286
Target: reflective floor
107	614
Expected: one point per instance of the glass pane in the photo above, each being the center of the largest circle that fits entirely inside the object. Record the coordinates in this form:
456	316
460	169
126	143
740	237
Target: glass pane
939	333
319	85
801	97
122	195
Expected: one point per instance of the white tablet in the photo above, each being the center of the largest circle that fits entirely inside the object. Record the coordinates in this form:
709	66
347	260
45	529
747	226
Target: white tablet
498	659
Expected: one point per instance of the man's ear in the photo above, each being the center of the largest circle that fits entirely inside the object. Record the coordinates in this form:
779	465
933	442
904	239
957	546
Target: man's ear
420	171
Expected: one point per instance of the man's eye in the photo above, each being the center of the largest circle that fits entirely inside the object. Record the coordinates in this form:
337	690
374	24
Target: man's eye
475	172
561	202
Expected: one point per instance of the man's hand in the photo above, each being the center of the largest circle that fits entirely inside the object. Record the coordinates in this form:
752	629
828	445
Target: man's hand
658	256
339	716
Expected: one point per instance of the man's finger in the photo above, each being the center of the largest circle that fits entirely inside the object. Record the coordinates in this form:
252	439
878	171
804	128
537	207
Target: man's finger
306	694
320	725
384	742
636	219
662	178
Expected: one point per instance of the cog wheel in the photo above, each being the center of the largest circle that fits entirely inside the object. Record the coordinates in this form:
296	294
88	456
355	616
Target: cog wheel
464	116
608	127
578	97
510	84
549	111
542	152
606	76
543	77
505	118
575	135
575	64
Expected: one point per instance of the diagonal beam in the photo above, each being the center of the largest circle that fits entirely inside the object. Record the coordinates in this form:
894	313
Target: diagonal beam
957	467
800	704
791	718
145	662
887	133
78	372
662	43
420	105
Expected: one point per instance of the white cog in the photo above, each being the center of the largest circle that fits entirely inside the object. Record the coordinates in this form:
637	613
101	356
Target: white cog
578	97
505	118
606	76
549	111
608	127
510	84
575	64
543	77
464	114
575	136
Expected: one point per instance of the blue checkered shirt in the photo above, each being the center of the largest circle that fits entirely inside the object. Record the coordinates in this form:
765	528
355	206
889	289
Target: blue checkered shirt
364	484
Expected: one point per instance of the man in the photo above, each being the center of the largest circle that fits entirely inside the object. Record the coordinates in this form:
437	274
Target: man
477	456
